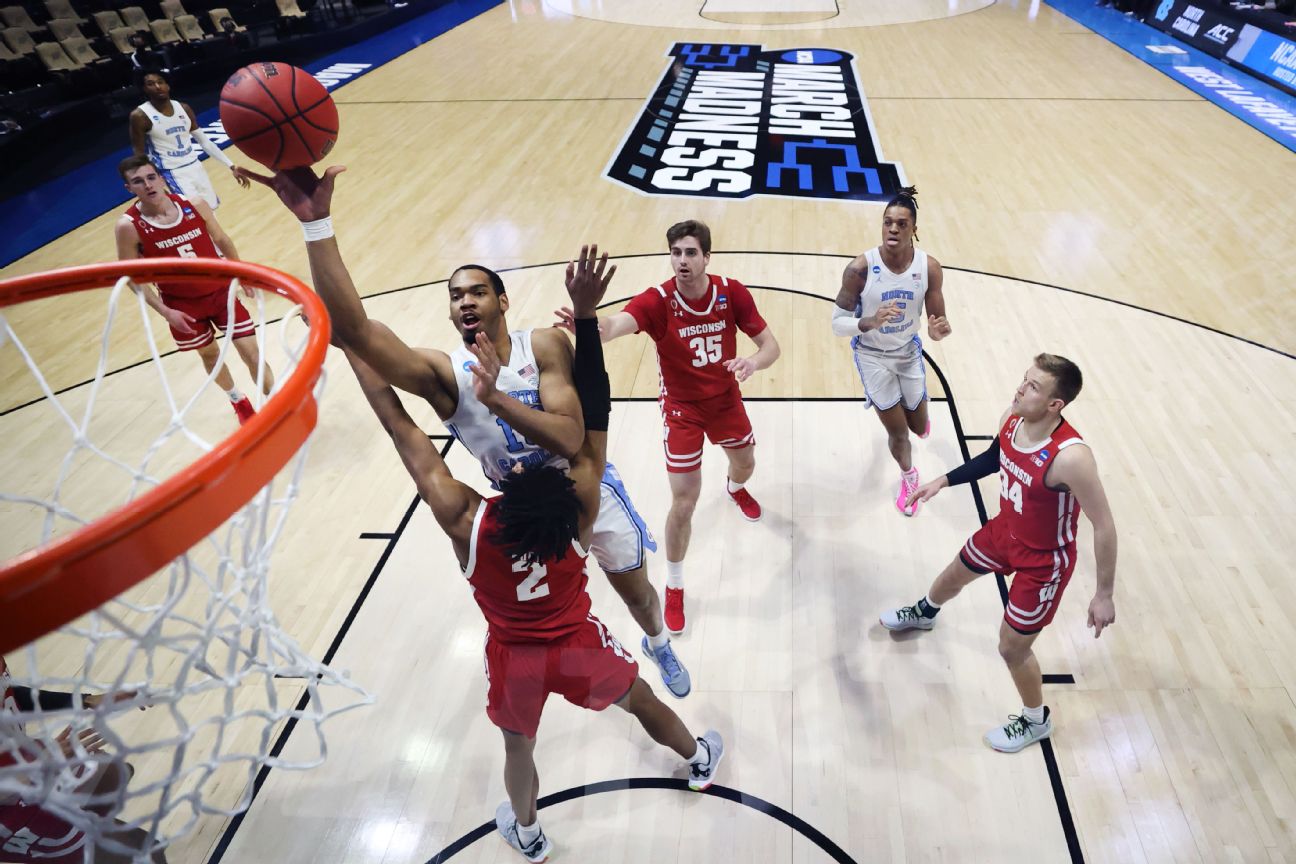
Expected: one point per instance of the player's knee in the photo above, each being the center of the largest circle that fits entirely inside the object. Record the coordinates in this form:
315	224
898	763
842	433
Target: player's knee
1013	652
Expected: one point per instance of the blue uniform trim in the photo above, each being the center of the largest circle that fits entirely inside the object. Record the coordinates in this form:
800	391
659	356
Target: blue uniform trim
612	481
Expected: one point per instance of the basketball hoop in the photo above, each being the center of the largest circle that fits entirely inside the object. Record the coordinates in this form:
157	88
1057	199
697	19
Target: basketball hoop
159	599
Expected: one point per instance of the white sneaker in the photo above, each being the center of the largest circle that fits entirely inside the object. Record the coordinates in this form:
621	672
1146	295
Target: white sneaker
506	821
702	774
1019	733
906	618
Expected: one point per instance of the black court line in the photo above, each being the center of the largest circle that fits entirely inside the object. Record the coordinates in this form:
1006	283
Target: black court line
1055	678
376	535
980	437
760	805
227	837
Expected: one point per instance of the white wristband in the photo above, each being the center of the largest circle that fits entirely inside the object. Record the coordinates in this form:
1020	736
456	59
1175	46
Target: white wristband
320	229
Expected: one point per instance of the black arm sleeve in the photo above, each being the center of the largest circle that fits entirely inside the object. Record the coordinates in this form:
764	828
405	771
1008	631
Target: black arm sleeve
590	376
976	467
50	700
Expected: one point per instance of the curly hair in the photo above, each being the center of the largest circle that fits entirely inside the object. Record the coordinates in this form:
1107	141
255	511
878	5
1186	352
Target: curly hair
538	514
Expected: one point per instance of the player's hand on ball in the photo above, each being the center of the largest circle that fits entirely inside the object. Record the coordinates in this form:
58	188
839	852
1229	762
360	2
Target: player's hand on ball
1102	613
938	327
926	491
888	312
241	176
308	196
587	281
742	367
485	371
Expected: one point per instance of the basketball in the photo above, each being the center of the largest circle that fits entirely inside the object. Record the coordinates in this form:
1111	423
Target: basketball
279	115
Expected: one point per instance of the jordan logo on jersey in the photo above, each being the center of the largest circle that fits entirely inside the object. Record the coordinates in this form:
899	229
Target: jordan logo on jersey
732	121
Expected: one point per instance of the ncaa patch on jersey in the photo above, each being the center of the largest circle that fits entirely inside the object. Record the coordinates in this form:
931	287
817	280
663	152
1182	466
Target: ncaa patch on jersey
732	121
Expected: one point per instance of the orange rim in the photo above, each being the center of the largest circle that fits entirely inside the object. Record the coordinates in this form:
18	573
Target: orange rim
45	588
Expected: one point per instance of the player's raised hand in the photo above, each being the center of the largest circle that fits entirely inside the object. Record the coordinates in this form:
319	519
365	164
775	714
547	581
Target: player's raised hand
587	281
742	367
485	371
887	313
1102	613
926	491
307	195
565	319
938	327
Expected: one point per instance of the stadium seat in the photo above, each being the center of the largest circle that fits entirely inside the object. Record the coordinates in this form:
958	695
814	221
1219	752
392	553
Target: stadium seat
220	14
190	29
80	50
135	18
164	32
64	28
62	9
16	16
172	9
55	59
108	21
18	40
121	39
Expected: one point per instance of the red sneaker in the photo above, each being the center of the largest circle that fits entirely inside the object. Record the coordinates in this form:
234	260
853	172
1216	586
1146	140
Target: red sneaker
243	408
751	510
674	611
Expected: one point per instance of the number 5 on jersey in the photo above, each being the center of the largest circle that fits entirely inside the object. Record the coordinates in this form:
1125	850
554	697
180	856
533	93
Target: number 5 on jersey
707	349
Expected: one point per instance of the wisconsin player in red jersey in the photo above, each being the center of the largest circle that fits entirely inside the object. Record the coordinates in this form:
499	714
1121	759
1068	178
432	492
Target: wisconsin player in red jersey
161	224
28	831
1047	475
523	551
694	319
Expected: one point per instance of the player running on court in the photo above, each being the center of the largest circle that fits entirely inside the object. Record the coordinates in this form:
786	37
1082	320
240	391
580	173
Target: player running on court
879	308
1047	475
694	319
161	224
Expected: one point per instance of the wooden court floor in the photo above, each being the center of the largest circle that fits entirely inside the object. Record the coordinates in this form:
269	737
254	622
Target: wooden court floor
1081	202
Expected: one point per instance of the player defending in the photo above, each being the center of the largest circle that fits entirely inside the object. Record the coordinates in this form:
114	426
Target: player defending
165	225
165	131
522	551
694	318
879	307
1047	475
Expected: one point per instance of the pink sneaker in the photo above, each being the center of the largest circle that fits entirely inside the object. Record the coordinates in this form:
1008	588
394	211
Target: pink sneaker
674	610
908	483
750	508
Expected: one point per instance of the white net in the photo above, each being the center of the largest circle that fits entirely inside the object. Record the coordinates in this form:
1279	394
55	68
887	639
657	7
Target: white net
196	646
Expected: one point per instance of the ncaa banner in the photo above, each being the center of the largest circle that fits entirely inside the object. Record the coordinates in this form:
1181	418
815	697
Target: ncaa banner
1208	28
732	121
1268	55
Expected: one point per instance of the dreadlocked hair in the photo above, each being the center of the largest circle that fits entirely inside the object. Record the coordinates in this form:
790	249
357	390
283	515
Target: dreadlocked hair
907	198
538	515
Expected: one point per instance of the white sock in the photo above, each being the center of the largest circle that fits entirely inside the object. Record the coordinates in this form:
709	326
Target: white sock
732	486
701	756
1034	715
235	395
528	833
661	640
674	574
912	472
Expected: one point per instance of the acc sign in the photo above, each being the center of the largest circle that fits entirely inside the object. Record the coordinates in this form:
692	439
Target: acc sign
731	121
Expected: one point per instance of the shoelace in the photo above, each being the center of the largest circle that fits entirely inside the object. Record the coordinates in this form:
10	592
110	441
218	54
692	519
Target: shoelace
1018	726
909	613
669	662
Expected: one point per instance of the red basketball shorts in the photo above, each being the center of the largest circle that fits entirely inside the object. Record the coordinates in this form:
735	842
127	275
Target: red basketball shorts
32	834
211	312
1041	574
722	419
588	668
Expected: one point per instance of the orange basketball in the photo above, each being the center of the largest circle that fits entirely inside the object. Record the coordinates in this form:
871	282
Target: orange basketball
279	115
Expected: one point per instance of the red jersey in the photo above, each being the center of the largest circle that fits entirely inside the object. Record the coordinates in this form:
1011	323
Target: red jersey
695	337
187	237
1036	516
525	602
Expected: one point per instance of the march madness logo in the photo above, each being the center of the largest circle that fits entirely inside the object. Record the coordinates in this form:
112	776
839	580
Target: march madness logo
731	121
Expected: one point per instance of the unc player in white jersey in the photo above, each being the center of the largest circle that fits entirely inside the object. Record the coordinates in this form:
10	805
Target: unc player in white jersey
880	308
165	131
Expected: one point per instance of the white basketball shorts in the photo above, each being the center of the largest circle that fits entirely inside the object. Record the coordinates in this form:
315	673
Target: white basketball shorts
620	535
192	182
890	377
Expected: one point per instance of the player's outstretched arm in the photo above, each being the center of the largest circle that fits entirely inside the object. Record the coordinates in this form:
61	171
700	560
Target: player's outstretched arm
938	326
310	199
614	326
1077	470
452	503
586	285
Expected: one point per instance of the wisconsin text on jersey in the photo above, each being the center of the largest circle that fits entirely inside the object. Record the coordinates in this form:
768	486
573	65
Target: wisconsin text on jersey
729	121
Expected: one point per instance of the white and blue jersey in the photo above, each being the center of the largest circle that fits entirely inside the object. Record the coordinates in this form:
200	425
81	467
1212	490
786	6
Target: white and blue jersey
170	146
889	359
620	535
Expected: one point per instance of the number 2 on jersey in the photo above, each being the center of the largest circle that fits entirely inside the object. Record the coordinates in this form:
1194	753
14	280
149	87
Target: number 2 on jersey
707	349
532	587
